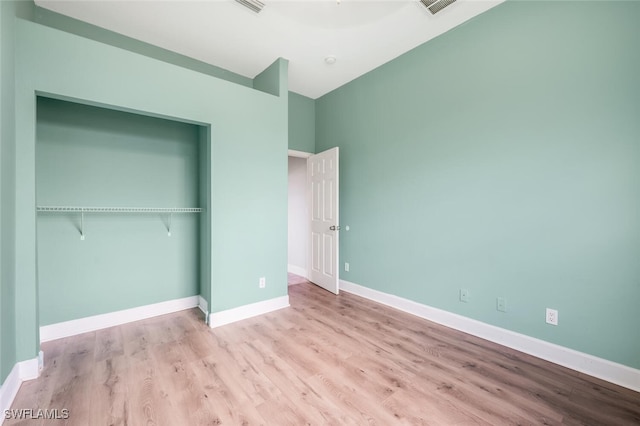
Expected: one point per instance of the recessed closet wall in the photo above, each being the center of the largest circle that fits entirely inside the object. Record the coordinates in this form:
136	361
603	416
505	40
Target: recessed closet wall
96	157
243	190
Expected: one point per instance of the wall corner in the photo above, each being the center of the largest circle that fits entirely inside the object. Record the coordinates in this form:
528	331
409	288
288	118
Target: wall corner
274	79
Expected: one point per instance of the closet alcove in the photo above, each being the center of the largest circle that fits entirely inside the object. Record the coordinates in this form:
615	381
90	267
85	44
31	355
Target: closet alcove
119	203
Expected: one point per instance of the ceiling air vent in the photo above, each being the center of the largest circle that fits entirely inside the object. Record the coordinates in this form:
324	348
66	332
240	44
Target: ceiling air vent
434	6
255	5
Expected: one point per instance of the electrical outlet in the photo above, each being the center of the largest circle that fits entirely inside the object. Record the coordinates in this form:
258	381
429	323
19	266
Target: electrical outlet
464	295
346	266
552	316
263	282
501	304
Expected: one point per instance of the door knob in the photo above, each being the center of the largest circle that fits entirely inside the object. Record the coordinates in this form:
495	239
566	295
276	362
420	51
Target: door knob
334	228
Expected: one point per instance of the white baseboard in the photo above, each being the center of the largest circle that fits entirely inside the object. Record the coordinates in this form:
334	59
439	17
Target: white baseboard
203	305
40	361
597	367
218	319
25	370
98	322
297	270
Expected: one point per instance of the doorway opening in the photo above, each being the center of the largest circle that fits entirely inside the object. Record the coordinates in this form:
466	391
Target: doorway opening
298	214
314	195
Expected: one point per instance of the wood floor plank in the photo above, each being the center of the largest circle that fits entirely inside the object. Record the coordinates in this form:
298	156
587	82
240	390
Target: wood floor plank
349	400
136	342
232	401
293	386
414	409
108	343
150	403
326	360
180	381
108	397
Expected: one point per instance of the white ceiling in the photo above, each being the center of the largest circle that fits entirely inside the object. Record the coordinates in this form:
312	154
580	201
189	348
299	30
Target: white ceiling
361	34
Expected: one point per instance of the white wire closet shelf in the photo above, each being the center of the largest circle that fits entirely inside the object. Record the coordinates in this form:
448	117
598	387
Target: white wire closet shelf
82	210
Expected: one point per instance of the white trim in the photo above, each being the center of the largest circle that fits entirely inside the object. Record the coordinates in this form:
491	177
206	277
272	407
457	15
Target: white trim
299	154
98	322
218	319
597	367
22	371
203	305
298	270
29	369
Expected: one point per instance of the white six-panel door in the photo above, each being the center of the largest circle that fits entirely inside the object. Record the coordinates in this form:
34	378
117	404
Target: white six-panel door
322	178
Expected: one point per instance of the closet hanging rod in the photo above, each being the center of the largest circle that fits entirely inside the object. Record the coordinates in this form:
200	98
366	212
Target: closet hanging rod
77	209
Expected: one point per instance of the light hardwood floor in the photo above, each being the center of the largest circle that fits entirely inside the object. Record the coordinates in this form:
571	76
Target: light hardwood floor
339	360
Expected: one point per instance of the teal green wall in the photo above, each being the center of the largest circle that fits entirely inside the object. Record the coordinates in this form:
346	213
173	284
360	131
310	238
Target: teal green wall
268	81
247	164
302	123
88	156
8	336
84	29
502	157
7	318
204	201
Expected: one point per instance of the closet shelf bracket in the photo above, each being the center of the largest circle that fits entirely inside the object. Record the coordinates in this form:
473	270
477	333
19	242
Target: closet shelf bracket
82	226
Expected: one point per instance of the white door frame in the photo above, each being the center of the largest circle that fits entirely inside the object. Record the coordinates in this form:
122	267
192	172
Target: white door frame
299	154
